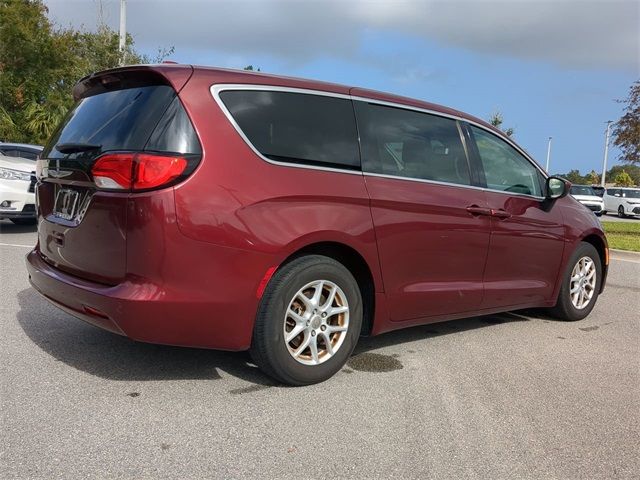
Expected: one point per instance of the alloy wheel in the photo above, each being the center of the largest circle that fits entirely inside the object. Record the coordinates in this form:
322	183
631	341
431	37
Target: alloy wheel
583	282
316	322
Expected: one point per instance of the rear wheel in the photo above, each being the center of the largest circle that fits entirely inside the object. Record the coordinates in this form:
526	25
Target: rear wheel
621	213
308	321
580	284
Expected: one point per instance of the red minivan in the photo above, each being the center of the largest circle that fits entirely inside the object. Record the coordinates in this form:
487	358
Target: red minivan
241	211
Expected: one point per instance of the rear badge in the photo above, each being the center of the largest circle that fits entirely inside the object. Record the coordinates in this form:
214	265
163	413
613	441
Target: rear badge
66	204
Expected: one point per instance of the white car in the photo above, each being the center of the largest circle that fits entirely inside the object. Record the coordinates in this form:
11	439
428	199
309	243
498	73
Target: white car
588	197
625	201
17	187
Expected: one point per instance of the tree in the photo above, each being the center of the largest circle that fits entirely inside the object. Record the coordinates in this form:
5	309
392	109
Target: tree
40	63
250	68
574	177
623	179
496	120
593	178
626	132
632	170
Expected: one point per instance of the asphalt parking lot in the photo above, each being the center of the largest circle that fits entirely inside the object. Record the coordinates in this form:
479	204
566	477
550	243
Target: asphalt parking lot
508	396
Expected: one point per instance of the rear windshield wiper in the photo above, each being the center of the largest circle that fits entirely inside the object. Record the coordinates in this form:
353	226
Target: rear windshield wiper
76	147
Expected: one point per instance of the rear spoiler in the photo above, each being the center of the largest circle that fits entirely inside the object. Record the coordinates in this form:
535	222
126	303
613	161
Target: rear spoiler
130	76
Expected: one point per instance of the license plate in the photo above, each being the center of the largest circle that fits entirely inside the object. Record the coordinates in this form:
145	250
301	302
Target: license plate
66	204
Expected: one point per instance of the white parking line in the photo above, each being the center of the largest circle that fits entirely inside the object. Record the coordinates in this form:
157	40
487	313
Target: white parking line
15	245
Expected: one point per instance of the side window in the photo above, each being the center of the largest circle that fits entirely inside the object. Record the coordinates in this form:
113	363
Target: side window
412	144
27	154
296	127
504	167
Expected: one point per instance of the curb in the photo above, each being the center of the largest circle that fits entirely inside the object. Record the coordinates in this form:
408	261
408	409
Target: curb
624	254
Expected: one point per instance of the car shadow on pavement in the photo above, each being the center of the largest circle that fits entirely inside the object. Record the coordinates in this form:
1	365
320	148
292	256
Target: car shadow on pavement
9	227
114	357
432	330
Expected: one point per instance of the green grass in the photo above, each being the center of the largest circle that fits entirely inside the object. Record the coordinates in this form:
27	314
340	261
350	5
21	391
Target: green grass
623	235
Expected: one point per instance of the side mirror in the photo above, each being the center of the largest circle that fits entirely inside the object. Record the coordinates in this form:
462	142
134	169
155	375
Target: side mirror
556	187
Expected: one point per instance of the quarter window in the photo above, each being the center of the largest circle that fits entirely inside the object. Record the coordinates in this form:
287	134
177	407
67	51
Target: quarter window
297	128
412	144
504	167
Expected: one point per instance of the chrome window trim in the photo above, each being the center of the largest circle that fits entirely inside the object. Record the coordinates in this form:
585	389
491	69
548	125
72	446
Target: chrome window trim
455	117
216	89
448	184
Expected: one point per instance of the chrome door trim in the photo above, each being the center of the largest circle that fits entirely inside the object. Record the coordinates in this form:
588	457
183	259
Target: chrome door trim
216	89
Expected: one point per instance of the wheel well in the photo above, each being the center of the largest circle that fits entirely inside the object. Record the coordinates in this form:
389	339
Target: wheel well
358	267
598	244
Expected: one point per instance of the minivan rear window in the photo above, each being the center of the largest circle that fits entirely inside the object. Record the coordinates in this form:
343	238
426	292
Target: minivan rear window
296	127
116	120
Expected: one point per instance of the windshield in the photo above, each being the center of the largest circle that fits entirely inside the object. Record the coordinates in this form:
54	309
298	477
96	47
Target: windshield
631	193
582	190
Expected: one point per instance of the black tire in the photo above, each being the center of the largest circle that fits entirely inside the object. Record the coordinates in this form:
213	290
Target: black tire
564	308
24	221
621	213
269	350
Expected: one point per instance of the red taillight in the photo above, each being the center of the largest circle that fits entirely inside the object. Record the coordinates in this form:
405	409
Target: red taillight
155	170
136	171
114	171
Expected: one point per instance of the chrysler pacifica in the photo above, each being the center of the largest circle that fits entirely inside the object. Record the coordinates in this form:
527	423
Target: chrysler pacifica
235	210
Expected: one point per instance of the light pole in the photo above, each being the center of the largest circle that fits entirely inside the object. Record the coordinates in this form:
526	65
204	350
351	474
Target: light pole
548	154
123	30
606	153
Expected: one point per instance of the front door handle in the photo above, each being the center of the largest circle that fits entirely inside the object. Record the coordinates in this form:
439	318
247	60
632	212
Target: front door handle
476	210
500	213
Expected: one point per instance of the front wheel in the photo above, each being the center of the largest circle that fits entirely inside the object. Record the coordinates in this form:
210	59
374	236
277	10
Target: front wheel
621	213
580	284
308	321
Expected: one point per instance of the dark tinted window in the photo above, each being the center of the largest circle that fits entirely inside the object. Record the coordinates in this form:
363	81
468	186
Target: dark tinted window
174	132
411	144
505	168
116	120
294	127
27	154
631	193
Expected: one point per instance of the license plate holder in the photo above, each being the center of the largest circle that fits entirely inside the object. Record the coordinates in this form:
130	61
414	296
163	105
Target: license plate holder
66	204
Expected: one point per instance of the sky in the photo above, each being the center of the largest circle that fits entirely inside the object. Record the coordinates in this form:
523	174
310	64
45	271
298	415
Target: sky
551	67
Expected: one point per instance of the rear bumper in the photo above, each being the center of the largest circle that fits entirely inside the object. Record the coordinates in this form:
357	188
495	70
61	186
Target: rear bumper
147	312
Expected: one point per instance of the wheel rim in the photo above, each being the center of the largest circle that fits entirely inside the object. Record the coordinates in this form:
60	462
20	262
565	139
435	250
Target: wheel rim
316	322
583	282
